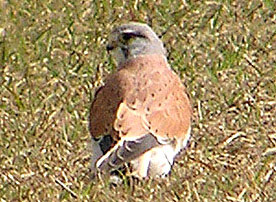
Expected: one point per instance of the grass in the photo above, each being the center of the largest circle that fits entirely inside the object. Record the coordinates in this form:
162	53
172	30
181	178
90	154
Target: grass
52	59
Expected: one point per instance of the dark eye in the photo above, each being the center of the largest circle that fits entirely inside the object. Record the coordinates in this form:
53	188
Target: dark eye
127	36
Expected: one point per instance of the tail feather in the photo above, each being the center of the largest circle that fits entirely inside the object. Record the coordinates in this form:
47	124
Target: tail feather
125	151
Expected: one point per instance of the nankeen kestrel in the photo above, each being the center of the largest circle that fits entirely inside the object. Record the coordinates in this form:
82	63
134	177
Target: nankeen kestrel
142	114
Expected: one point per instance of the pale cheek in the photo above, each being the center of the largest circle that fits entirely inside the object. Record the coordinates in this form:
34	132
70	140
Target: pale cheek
118	56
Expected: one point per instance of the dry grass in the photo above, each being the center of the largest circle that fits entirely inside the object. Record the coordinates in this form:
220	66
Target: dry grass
52	58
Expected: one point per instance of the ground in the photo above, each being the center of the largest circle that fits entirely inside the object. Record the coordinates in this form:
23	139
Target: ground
52	58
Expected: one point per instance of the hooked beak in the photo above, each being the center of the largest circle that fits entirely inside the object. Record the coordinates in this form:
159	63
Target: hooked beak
109	47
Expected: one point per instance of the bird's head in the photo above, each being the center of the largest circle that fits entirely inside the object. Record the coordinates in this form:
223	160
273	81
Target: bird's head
130	40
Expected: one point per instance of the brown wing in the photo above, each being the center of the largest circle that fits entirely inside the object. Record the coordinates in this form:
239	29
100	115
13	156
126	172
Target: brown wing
105	104
168	115
156	103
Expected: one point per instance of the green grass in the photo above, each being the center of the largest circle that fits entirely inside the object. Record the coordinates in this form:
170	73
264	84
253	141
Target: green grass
52	59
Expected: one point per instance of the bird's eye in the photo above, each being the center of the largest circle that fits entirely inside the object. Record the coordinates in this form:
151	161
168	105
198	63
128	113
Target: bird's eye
127	36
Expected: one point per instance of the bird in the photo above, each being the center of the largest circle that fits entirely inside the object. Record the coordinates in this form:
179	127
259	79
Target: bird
141	116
